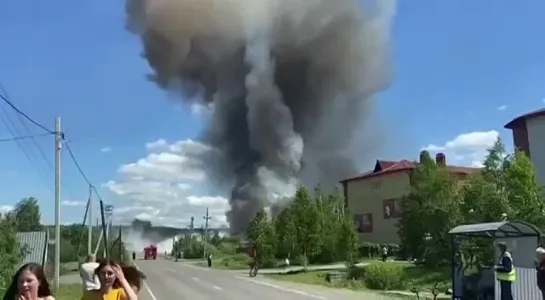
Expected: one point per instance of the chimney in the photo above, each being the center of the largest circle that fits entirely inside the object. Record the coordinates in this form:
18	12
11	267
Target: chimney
441	159
423	155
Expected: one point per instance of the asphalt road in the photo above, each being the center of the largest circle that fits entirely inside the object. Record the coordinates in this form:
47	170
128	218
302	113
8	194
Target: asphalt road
168	280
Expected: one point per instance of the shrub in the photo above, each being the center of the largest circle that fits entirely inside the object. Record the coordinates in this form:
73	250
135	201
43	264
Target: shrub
385	276
356	273
372	250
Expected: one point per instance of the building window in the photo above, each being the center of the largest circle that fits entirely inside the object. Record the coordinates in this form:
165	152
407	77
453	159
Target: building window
391	209
376	185
364	223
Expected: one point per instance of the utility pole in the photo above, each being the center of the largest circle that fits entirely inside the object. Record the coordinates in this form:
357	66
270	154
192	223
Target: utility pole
90	238
206	218
58	144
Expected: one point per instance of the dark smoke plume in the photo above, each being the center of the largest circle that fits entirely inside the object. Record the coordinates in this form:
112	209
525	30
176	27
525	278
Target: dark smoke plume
290	83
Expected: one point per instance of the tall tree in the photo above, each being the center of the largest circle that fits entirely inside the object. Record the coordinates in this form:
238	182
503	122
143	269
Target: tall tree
10	249
286	232
348	240
307	220
429	211
27	213
525	194
261	233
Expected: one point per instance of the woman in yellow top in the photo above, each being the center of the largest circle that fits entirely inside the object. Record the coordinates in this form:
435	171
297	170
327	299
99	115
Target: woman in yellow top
113	285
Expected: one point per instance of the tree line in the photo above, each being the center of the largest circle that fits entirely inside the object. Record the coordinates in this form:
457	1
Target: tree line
313	228
25	217
318	228
506	188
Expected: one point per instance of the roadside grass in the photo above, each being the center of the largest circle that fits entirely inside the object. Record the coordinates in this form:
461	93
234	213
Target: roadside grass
415	277
68	292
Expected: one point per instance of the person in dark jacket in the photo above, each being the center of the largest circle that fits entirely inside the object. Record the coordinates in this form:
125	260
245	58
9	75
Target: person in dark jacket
505	272
540	270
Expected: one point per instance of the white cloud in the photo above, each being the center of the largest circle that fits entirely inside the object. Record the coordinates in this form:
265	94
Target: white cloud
165	186
199	109
5	208
502	107
73	203
467	149
106	149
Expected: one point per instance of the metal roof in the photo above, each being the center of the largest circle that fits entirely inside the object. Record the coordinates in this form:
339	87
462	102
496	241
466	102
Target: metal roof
497	229
36	244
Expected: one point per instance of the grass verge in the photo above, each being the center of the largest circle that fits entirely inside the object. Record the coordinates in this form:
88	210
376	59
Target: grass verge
68	292
386	276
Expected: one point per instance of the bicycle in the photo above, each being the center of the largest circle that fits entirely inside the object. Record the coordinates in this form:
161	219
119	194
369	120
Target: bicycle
253	269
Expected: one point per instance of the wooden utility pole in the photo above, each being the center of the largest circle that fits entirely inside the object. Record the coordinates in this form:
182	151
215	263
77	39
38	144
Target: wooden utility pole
58	144
206	218
90	229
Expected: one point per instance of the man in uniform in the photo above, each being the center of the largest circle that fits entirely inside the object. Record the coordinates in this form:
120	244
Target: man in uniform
505	272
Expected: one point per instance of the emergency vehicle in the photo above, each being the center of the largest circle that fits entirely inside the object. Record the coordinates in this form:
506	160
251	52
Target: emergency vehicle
150	252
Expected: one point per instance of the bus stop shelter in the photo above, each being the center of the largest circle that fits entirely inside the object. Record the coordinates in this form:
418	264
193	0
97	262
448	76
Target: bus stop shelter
521	239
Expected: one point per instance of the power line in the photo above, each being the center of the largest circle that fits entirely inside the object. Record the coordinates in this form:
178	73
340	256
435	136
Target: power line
25	115
80	170
24	137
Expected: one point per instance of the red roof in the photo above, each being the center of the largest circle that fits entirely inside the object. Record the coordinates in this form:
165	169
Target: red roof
516	121
384	167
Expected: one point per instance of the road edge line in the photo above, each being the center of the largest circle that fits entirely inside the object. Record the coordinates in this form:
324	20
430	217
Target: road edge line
145	284
282	288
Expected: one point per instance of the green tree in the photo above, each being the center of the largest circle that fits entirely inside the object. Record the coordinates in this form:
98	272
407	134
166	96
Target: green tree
261	233
429	211
307	221
348	241
215	239
10	249
27	213
525	194
286	231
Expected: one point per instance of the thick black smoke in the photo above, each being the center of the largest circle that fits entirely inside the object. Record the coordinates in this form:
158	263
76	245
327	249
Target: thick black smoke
290	83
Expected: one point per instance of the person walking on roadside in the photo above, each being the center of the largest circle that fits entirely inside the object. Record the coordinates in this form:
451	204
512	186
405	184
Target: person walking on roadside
209	259
505	272
87	273
384	253
540	270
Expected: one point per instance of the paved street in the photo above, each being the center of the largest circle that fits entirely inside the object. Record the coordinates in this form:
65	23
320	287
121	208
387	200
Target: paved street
170	280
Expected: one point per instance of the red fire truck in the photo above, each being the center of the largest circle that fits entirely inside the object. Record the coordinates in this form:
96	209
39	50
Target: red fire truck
150	252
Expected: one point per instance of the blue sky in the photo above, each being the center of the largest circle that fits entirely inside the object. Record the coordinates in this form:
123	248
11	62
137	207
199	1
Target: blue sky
456	63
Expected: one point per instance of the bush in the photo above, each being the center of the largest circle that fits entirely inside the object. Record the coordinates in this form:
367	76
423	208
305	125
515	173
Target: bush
356	273
237	261
385	276
372	250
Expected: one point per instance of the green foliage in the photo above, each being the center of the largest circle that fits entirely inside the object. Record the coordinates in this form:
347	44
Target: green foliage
430	210
505	189
385	276
262	236
348	241
10	250
27	213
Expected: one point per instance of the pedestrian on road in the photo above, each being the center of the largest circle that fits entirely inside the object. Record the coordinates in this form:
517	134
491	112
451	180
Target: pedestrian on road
505	272
133	255
87	273
113	284
209	258
29	283
540	270
384	253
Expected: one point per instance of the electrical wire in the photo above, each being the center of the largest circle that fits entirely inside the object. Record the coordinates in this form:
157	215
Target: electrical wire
80	170
17	138
25	115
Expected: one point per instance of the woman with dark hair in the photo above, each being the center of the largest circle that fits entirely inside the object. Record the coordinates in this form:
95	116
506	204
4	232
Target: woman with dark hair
134	277
29	283
113	284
